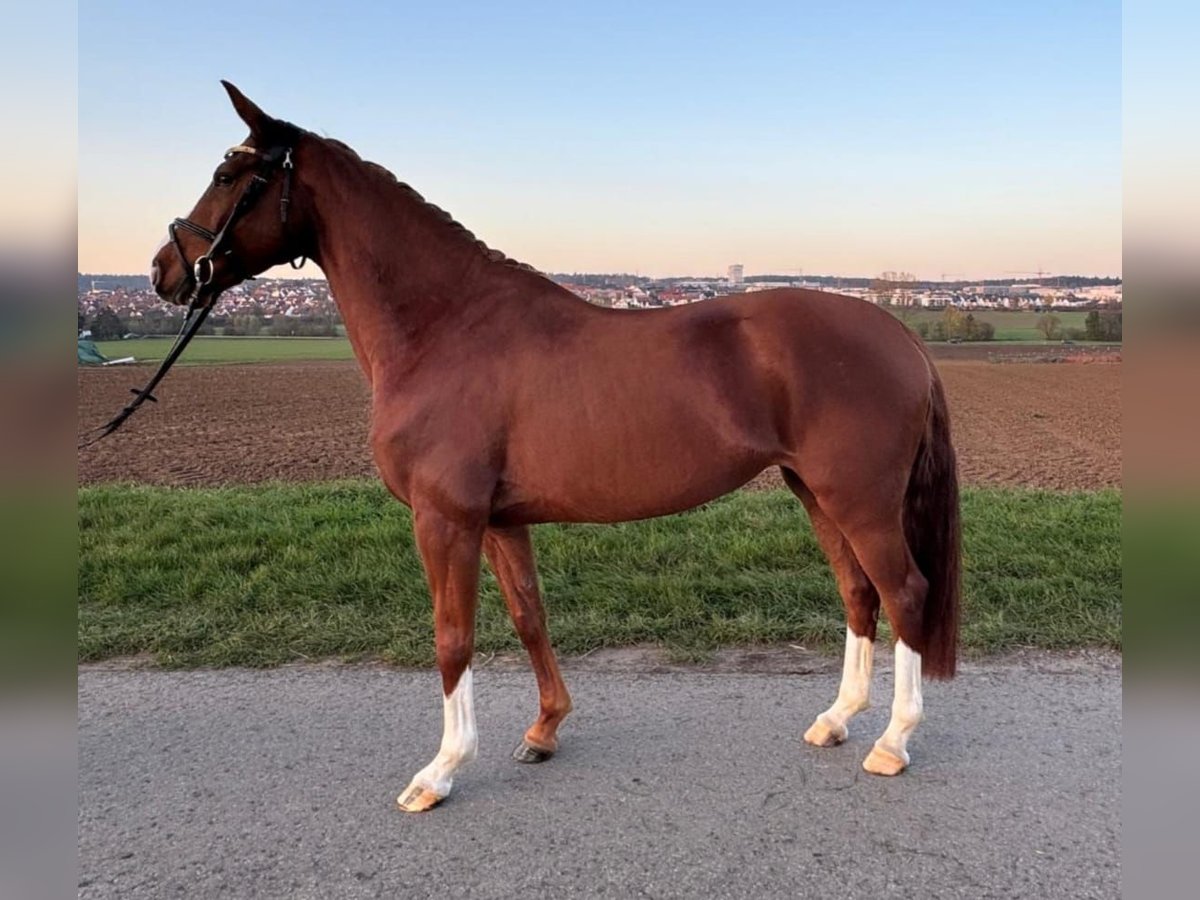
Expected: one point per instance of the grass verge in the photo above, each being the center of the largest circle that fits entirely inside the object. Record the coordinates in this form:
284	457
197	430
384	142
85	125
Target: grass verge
263	575
211	349
1010	324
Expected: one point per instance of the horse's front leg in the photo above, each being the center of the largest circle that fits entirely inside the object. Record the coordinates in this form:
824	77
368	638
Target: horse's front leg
450	549
510	553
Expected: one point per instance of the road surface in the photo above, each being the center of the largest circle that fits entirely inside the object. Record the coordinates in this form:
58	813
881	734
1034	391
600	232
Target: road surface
281	783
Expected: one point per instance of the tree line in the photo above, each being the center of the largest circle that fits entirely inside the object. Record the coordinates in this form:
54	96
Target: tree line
952	325
106	325
1097	326
955	325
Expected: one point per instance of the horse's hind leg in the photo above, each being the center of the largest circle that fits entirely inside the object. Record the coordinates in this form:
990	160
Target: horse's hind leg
862	610
887	560
510	553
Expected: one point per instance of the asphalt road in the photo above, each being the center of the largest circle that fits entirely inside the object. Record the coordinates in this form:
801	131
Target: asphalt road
282	784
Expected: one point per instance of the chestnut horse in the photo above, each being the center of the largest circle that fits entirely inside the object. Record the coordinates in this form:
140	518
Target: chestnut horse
500	400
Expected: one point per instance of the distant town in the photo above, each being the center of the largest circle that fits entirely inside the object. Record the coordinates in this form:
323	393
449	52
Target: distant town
889	288
127	304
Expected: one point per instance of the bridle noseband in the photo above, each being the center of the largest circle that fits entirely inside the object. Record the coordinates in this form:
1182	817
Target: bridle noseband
200	273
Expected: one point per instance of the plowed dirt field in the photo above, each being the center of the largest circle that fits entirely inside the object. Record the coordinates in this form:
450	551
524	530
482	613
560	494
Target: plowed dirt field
1017	423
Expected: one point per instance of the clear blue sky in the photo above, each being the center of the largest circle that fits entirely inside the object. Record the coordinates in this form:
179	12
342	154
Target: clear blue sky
664	138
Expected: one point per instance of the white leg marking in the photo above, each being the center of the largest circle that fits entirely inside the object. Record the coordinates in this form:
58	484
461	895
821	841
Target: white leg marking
854	695
907	707
459	741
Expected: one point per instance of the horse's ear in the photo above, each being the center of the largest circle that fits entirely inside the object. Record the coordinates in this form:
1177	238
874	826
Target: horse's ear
258	121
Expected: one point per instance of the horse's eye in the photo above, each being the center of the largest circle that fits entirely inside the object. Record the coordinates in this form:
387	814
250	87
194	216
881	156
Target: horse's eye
222	180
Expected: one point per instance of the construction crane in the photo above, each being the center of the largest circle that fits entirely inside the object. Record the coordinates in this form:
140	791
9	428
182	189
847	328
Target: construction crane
1040	273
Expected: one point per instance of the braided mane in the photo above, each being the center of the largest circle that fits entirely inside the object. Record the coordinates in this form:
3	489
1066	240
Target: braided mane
492	254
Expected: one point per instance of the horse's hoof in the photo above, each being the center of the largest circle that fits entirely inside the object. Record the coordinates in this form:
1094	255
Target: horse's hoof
884	762
821	734
418	799
527	753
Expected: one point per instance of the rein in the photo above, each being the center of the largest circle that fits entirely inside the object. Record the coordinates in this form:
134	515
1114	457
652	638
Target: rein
200	273
195	318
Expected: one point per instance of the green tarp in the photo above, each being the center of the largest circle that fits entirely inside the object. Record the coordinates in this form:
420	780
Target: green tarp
89	355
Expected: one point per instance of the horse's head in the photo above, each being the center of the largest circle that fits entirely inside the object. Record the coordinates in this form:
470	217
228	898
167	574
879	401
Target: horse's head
243	223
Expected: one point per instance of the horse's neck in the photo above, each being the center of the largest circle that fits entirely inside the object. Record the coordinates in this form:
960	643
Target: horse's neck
384	270
399	272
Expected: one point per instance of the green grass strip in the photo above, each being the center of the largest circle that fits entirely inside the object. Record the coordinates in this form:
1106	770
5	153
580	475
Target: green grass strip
1010	325
258	576
210	349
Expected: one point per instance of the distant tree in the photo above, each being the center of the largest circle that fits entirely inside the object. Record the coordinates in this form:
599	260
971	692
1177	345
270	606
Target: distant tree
106	326
246	324
1050	326
954	323
1100	326
303	326
157	320
894	288
975	330
81	320
282	326
1113	328
882	290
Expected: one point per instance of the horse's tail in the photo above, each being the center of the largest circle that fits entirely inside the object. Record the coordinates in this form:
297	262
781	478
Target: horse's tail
931	526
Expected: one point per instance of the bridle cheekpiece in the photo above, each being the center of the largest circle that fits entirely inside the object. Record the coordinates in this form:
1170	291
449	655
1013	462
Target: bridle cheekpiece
201	271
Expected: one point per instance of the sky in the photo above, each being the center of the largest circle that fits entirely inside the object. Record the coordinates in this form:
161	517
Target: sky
944	139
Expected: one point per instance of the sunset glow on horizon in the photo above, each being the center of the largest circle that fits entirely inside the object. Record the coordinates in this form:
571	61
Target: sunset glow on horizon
942	141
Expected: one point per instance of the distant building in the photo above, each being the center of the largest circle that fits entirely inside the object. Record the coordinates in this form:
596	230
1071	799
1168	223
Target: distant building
735	274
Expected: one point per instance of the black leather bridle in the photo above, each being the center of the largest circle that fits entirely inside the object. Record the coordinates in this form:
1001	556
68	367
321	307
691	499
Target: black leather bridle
199	274
202	270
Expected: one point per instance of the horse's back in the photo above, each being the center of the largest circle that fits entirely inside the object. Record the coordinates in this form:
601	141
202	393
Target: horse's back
829	349
640	413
